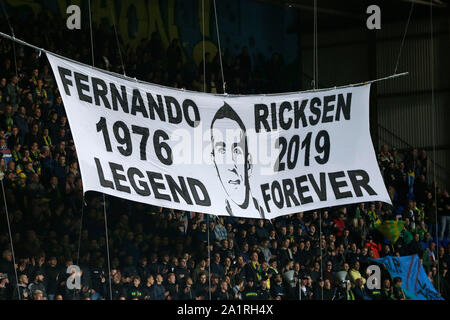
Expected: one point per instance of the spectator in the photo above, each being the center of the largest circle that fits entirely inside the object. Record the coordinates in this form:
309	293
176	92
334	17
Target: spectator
386	290
160	292
23	293
220	231
398	293
135	291
354	274
38	285
188	292
360	290
444	212
223	293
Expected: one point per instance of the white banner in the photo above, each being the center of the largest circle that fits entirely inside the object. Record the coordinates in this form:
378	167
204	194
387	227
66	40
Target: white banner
247	156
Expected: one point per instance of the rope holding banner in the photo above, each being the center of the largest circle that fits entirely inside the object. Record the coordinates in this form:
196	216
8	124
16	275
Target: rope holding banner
90	28
117	41
433	128
107	247
121	76
79	237
315	56
104	200
315	83
220	51
404	36
10	237
204	90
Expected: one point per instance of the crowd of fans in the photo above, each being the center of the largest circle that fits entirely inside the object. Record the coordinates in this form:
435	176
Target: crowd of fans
158	253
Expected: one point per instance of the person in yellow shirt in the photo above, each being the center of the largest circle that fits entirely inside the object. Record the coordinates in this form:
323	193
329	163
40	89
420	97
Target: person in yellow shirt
354	274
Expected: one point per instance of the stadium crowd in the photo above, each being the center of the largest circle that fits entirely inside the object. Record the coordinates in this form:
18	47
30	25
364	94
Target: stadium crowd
158	253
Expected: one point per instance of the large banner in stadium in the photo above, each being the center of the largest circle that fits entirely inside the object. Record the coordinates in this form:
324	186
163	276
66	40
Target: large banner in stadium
258	156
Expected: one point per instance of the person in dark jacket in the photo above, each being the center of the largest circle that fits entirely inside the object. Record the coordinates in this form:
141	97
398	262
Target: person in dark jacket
303	292
38	284
360	290
250	292
135	291
263	291
201	287
277	289
188	293
223	293
118	289
398	293
23	290
172	287
415	247
386	290
217	267
142	269
160	292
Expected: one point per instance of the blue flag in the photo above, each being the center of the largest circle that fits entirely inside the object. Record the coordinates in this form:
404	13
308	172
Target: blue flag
415	282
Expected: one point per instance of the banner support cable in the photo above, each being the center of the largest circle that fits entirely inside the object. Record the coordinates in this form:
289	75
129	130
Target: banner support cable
107	247
104	199
6	36
203	46
90	28
81	228
10	237
404	36
321	252
316	82
204	90
220	51
315	56
117	40
433	128
209	259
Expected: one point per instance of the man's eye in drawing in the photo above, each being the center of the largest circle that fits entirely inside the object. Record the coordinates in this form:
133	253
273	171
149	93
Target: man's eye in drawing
221	150
237	151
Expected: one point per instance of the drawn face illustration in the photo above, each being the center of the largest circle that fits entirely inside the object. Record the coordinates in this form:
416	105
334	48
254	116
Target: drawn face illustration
231	158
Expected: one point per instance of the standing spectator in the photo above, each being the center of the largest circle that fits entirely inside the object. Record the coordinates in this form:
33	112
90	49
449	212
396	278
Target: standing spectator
277	289
7	119
216	266
263	291
444	212
5	152
52	271
13	91
398	293
201	288
223	293
149	288
187	292
220	231
23	291
38	284
386	290
360	290
135	291
20	120
172	287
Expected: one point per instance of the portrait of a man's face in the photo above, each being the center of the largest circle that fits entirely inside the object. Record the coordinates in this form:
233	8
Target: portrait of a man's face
230	155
